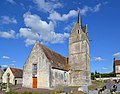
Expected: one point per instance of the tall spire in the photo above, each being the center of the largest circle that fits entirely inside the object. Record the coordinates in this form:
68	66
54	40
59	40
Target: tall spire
79	18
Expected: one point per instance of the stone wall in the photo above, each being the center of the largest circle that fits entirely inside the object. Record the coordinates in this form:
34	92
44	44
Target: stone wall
38	57
79	58
59	78
117	71
19	81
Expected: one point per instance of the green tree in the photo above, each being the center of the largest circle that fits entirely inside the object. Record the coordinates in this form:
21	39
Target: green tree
4	69
92	76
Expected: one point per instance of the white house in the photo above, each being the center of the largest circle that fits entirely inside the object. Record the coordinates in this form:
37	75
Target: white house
116	67
1	73
15	76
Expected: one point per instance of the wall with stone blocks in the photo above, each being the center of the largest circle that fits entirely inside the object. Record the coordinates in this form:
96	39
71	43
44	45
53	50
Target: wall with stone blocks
59	78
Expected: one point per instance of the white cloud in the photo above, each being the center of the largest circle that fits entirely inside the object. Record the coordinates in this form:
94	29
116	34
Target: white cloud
69	27
46	5
13	61
22	5
29	42
11	1
86	9
8	34
40	30
98	59
11	65
8	65
6	57
117	55
96	8
27	33
56	16
4	66
104	68
39	25
8	20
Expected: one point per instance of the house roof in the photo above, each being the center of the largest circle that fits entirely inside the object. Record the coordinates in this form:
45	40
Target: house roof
117	62
1	72
18	73
57	61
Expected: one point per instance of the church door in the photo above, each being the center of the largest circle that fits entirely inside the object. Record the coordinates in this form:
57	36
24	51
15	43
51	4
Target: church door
35	82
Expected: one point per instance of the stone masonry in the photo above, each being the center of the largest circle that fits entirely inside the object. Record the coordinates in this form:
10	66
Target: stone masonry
79	55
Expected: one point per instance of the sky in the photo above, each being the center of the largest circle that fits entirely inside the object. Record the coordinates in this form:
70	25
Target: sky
22	22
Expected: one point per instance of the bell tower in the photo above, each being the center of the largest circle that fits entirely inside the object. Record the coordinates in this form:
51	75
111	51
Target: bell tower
79	54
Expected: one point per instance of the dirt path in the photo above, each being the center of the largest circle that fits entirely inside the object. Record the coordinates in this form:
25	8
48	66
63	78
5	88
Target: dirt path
23	89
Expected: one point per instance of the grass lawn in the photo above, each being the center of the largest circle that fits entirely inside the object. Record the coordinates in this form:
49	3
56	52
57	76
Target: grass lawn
96	84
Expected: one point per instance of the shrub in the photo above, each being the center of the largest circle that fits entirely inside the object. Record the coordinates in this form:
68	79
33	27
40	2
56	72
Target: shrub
12	93
4	85
27	93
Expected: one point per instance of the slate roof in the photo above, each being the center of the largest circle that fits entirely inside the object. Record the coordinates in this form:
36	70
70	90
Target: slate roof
18	73
117	62
57	61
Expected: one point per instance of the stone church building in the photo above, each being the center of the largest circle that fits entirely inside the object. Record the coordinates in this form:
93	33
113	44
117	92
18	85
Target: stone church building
45	68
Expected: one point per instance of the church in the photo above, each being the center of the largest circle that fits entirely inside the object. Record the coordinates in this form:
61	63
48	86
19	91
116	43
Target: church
44	68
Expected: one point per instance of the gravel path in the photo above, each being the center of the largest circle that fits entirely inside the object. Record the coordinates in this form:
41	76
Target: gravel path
1	92
23	89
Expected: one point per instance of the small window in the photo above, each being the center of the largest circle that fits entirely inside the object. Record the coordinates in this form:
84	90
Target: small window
65	76
35	68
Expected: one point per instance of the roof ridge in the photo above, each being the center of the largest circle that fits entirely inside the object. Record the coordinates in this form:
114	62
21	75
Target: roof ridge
52	50
16	68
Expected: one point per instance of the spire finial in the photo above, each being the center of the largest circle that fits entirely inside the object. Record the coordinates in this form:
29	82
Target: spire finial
79	18
37	41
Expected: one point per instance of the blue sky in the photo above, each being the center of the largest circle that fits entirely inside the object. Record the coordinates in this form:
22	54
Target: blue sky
51	21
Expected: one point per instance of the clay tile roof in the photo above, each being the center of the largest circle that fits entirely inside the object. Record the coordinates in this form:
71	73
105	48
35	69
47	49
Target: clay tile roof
18	73
117	62
57	61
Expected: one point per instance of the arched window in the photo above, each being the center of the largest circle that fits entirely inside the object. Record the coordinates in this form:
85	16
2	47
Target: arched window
65	76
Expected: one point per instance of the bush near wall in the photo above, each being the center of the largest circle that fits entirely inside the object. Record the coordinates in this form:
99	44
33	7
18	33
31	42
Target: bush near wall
105	75
4	85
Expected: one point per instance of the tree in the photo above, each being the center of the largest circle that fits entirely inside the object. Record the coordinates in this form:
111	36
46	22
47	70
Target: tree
4	69
97	74
92	76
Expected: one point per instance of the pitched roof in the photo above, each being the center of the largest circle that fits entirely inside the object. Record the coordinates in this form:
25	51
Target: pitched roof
117	62
57	61
18	73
